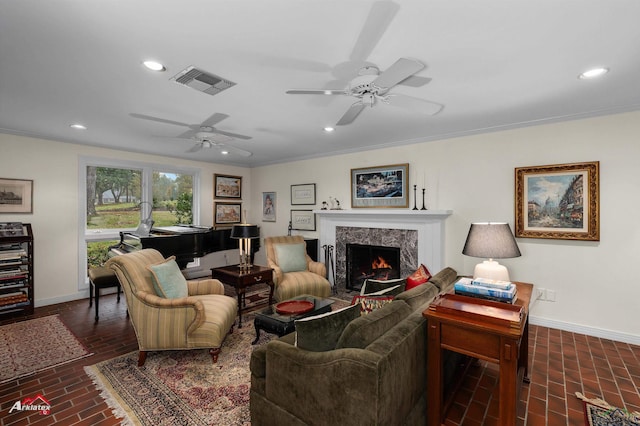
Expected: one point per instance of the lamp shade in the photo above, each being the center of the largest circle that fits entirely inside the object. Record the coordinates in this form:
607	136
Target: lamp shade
245	230
491	240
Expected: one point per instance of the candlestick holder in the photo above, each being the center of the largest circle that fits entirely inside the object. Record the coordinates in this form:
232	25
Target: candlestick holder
415	199
423	205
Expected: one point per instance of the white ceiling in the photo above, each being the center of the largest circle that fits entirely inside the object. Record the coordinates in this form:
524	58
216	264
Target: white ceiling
493	64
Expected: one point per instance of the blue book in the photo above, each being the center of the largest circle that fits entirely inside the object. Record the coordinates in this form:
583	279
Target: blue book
487	291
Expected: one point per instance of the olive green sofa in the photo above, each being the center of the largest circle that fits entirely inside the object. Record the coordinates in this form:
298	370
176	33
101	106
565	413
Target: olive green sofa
376	375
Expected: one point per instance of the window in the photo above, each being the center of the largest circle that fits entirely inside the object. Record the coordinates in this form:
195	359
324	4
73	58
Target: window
117	195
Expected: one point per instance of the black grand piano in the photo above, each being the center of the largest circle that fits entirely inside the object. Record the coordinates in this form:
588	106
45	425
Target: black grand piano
185	242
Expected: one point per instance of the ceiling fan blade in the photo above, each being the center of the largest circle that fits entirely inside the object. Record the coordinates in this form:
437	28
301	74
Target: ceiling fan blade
189	134
380	16
415	81
232	135
414	104
398	72
315	92
235	150
351	114
214	119
195	148
159	120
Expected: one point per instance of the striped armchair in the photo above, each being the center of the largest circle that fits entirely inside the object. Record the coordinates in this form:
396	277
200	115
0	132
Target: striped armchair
311	281
201	320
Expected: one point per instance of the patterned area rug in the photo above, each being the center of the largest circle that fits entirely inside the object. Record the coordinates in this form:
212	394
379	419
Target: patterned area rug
183	387
27	347
598	412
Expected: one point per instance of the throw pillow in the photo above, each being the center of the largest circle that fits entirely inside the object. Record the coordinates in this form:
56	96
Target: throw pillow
420	276
390	287
321	333
291	257
370	302
168	280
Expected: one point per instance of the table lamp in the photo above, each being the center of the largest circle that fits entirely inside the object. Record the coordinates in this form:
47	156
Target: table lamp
244	233
491	240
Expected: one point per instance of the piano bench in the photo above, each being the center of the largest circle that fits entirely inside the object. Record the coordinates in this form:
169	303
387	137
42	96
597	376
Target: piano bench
101	277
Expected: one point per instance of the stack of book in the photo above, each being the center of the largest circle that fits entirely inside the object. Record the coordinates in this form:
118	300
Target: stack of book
500	291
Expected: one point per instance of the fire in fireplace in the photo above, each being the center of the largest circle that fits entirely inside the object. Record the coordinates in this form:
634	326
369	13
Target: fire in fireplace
371	262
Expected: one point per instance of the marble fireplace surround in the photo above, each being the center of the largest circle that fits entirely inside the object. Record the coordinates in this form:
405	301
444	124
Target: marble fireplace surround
421	229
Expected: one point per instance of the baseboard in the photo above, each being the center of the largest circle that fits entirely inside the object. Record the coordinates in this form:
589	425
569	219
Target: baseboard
589	331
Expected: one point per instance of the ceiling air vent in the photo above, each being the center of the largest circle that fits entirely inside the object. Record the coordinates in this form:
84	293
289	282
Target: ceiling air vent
202	81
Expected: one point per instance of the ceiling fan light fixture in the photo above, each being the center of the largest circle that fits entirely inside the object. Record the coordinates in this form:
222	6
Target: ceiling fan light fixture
154	66
593	73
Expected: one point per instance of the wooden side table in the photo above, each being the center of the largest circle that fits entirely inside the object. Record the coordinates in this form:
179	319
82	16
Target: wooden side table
240	279
492	331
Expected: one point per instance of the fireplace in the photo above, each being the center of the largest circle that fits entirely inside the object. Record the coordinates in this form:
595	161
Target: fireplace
366	261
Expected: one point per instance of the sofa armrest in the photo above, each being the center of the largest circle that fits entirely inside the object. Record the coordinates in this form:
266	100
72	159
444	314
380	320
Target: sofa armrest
206	286
305	383
317	268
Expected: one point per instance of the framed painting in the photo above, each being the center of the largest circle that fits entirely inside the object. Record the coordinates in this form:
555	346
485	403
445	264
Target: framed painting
382	186
227	213
268	206
303	194
560	201
16	196
227	186
303	220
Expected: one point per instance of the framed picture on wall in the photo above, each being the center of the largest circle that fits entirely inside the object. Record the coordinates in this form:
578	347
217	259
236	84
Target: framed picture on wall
560	201
226	186
269	206
16	196
227	213
303	194
381	186
303	220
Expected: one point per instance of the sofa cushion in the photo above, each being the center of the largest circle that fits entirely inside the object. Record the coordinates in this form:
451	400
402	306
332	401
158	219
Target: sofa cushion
321	332
364	330
419	296
444	279
291	257
168	280
379	287
370	303
420	276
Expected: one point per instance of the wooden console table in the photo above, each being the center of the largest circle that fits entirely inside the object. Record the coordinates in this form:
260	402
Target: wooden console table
240	279
492	331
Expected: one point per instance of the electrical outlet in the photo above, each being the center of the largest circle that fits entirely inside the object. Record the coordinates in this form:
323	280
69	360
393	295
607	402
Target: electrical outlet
551	295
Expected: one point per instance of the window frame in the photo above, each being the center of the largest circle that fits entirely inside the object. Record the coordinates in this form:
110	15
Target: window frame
86	235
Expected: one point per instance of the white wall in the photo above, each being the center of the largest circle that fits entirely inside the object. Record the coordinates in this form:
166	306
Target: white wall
53	166
474	176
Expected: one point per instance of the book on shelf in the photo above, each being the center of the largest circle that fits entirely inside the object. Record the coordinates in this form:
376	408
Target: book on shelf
486	297
486	282
463	285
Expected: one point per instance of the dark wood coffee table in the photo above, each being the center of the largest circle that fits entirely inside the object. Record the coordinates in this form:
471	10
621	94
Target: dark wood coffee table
272	322
240	279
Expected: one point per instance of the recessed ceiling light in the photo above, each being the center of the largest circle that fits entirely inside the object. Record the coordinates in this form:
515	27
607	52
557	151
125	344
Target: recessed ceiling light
78	126
224	152
594	73
154	66
329	129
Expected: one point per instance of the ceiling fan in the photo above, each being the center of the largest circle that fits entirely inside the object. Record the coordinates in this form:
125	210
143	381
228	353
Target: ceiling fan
371	86
205	134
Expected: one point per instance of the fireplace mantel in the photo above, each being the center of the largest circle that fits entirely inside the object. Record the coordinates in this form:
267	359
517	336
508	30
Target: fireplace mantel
428	223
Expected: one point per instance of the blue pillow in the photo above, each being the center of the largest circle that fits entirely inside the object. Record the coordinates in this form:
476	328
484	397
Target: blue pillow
168	280
291	257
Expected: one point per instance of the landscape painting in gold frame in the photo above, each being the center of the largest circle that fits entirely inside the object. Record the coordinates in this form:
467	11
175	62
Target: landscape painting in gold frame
381	186
560	201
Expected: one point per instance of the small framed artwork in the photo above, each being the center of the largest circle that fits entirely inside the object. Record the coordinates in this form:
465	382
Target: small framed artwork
226	186
303	194
560	201
16	196
268	206
303	220
227	213
382	186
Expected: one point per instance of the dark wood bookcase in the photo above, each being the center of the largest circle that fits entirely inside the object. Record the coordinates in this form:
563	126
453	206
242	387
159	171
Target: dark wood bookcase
16	269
